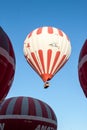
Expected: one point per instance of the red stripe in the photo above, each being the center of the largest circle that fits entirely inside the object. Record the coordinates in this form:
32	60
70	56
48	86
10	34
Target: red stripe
33	66
17	106
44	111
39	31
30	34
32	110
52	113
61	61
40	52
4	106
50	30
63	64
49	54
35	60
55	60
60	32
28	45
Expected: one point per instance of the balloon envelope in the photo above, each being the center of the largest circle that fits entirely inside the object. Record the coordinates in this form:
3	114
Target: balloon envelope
26	113
47	49
82	68
7	64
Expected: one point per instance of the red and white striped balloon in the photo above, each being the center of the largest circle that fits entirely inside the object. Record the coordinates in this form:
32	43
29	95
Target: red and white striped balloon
7	64
27	113
82	68
47	49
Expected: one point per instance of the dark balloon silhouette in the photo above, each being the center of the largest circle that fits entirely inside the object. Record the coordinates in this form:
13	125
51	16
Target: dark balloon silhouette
26	113
82	68
7	64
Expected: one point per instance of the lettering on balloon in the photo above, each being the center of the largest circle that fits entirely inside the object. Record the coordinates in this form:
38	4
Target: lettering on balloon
43	127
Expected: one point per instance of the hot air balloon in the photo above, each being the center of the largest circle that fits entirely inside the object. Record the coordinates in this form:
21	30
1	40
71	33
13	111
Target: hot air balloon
82	68
26	113
47	49
7	64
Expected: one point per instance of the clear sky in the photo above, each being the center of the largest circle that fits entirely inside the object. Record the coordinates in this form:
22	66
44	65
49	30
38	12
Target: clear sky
65	96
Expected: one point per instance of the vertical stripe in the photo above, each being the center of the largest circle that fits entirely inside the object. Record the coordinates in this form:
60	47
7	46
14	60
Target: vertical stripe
39	31
17	106
65	60
53	114
49	54
35	60
11	105
60	63
38	108
44	111
33	66
31	110
40	52
4	106
50	30
48	111
24	107
55	61
30	34
60	32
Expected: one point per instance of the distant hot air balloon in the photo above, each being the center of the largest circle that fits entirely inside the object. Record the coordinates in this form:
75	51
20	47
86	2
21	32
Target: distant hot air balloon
7	64
47	49
82	68
26	113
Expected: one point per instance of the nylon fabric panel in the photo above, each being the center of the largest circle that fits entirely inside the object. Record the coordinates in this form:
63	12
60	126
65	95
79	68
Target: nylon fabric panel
82	68
17	106
4	54
38	108
47	49
32	110
11	105
24	107
3	106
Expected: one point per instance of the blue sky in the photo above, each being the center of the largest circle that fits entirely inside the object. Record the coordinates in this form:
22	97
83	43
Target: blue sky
65	96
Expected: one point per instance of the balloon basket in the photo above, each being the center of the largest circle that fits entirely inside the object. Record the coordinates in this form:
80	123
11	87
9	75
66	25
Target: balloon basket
46	85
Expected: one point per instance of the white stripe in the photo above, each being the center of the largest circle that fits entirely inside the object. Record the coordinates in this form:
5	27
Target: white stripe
28	117
11	80
38	108
5	53
83	60
11	105
48	111
24	107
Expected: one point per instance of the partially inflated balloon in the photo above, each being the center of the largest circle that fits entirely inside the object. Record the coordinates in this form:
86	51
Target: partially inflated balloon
47	49
82	68
26	113
7	64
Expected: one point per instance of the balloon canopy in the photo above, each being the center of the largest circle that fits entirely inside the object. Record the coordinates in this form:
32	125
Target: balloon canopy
46	50
26	113
82	68
7	64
